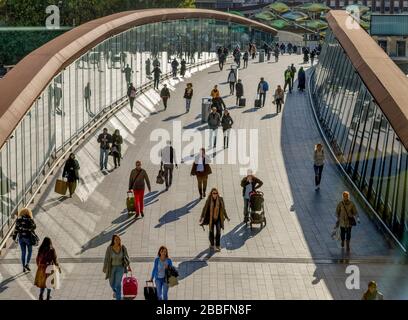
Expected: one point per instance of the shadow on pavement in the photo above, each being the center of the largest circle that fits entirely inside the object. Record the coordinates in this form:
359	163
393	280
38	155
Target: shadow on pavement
3	284
173	117
193	125
269	116
237	237
187	268
250	110
174	215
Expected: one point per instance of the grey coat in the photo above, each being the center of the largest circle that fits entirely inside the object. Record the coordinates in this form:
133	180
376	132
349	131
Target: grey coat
345	210
107	265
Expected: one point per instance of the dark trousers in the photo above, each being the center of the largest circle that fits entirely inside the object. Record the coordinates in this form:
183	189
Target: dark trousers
262	97
221	65
72	187
232	87
253	56
42	293
217	225
165	102
345	233
156	83
26	250
288	82
318	174
116	159
278	105
168	174
202	184
291	81
132	102
174	72
245	63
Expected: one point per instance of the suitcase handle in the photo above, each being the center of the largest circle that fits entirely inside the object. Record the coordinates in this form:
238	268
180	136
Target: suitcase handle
148	281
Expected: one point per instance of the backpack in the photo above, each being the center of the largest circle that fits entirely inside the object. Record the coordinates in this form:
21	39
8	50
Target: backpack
265	86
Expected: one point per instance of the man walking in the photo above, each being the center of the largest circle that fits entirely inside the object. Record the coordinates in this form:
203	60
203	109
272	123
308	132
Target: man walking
214	121
156	75
263	88
137	180
292	74
165	95
288	79
104	139
128	74
174	66
168	157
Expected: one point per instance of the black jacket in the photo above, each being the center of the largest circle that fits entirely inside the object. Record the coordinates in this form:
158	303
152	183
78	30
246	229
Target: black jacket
25	226
157	72
239	89
188	95
226	122
71	170
256	184
165	92
105	144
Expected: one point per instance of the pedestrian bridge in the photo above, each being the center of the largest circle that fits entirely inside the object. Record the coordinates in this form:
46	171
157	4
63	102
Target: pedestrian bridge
351	104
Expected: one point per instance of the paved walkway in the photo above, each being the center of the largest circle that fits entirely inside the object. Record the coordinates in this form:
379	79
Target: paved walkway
293	257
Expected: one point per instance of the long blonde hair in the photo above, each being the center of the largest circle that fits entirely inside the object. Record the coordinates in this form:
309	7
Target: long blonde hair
25	212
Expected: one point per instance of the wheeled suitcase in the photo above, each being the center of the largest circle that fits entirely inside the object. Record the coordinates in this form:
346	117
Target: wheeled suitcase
257	103
129	287
61	187
130	203
150	291
242	102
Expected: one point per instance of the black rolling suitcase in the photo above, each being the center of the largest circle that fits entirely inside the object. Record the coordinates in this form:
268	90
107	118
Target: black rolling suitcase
150	291
258	102
241	102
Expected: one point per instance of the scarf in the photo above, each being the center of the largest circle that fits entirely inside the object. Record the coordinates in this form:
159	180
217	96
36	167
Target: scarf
215	210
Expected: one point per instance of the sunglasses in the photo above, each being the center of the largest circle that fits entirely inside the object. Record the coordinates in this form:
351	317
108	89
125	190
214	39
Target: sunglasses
215	193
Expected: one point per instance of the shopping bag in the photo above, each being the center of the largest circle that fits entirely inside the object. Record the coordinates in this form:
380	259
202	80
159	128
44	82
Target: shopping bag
336	233
61	187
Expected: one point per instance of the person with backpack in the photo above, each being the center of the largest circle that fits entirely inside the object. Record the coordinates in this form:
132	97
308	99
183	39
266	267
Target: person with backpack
226	123
245	58
23	234
188	95
165	95
249	184
71	173
288	79
168	161
318	158
156	77
137	179
239	90
174	66
232	79
213	121
201	169
346	214
115	265
263	88
46	257
116	149
104	139
131	93
292	74
161	264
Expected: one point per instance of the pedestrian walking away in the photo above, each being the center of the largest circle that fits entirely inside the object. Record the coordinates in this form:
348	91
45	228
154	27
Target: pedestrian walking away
372	292
174	66
346	213
253	51
156	75
249	184
137	179
279	98
116	264
292	74
301	79
47	266
232	79
131	93
214	215
183	67
71	173
201	169
226	123
24	234
87	96
165	95
213	121
246	58
239	90
188	95
288	79
221	61
104	139
116	149
168	161
128	74
312	56
161	264
318	158
263	88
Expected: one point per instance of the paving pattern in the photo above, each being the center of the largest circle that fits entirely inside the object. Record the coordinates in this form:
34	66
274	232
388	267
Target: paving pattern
293	257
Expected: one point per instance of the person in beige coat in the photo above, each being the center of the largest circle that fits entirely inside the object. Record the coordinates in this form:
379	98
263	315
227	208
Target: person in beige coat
346	213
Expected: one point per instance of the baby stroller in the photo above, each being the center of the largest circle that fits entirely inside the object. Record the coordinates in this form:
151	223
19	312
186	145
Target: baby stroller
256	208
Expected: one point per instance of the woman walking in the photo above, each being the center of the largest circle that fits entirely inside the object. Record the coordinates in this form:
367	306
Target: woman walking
46	257
346	213
188	95
71	173
23	233
318	158
239	90
115	265
232	79
226	123
279	98
301	79
161	264
249	184
116	148
131	93
372	293
201	169
214	215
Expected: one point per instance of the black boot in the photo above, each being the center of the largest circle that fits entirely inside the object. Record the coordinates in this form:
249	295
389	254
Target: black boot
48	294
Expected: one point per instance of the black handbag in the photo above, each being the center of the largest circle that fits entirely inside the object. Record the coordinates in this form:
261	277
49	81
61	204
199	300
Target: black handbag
352	220
34	240
160	176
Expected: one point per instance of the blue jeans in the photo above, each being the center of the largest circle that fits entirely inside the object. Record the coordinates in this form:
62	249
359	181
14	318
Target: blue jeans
162	289
24	245
116	281
246	209
103	162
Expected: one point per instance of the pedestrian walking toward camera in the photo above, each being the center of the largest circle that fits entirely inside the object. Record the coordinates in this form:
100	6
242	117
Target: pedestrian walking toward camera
156	76
24	234
301	79
71	173
116	149
372	293
279	98
221	60
115	265
215	93
239	90
168	160
226	123
295	48
232	79
288	79
188	95
174	66
131	93
165	95
253	51
47	261
292	74
137	180
249	184
282	48
318	158
104	139
346	213
214	215
161	264
263	88
201	169
128	74
245	58
183	67
213	121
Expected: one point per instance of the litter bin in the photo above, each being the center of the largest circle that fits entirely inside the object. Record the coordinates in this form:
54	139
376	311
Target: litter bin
205	109
261	55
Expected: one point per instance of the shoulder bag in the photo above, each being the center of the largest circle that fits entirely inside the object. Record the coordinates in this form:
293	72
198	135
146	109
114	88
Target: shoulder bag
351	219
